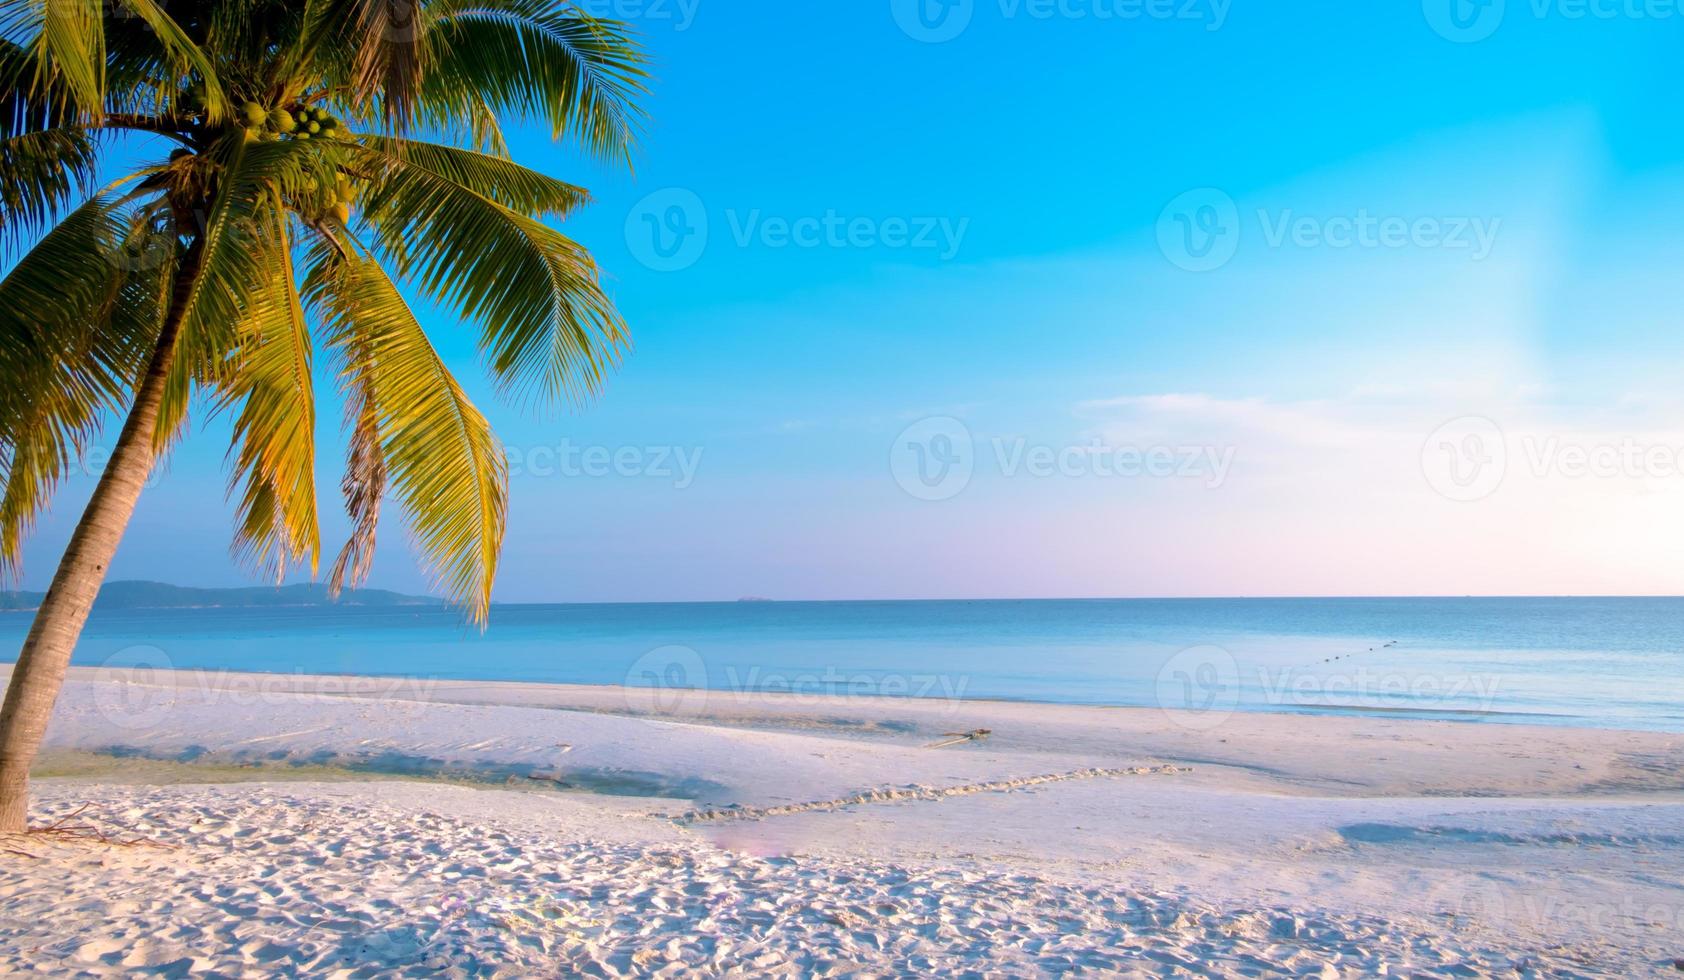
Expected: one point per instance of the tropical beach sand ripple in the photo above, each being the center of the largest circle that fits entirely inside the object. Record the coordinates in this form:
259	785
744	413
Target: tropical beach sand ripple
260	879
480	829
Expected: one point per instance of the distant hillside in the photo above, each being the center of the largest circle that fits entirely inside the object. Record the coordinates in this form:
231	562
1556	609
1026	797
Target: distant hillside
160	595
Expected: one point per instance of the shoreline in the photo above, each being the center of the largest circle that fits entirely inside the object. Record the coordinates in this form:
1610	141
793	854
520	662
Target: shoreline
1071	836
1542	719
684	739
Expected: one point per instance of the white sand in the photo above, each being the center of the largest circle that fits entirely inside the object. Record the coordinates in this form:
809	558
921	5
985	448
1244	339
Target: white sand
743	833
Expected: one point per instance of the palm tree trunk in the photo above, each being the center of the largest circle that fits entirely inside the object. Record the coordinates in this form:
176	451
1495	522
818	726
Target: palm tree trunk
41	664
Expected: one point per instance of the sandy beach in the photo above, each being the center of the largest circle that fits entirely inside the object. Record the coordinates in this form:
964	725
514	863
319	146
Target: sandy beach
368	826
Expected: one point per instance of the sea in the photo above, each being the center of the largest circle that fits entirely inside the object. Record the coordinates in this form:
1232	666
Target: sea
1603	662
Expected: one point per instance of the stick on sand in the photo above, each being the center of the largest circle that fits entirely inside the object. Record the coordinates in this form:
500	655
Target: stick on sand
954	738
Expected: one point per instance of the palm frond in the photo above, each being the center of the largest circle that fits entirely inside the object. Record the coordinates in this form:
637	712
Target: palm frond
180	57
40	173
208	235
65	40
436	448
540	60
503	181
364	482
25	106
389	56
549	327
76	326
233	257
274	441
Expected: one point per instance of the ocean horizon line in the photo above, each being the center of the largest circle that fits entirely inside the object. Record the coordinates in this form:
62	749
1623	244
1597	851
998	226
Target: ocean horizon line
862	600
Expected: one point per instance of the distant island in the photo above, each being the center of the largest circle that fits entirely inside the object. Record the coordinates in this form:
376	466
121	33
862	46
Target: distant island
161	595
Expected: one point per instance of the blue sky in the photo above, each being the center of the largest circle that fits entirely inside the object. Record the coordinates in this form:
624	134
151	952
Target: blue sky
1423	234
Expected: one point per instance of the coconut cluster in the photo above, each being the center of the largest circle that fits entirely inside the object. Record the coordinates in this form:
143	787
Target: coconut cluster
344	192
298	122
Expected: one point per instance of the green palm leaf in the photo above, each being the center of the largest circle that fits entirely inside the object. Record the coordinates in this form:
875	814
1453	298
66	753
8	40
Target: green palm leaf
501	180
75	326
208	234
25	105
41	172
67	46
438	450
550	328
274	450
179	57
232	237
536	59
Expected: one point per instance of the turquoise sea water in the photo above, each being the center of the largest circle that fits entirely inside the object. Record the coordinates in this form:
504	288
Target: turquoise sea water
1603	662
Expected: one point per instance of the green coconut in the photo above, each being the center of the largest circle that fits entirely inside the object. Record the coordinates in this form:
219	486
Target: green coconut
281	121
342	211
314	127
255	115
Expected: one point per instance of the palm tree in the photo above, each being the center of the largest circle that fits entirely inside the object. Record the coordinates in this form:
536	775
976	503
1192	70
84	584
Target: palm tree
296	197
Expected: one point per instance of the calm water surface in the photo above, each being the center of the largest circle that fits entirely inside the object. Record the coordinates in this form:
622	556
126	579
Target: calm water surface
1604	662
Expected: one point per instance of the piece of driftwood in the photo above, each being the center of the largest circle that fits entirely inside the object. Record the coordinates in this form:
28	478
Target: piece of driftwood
63	830
954	738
